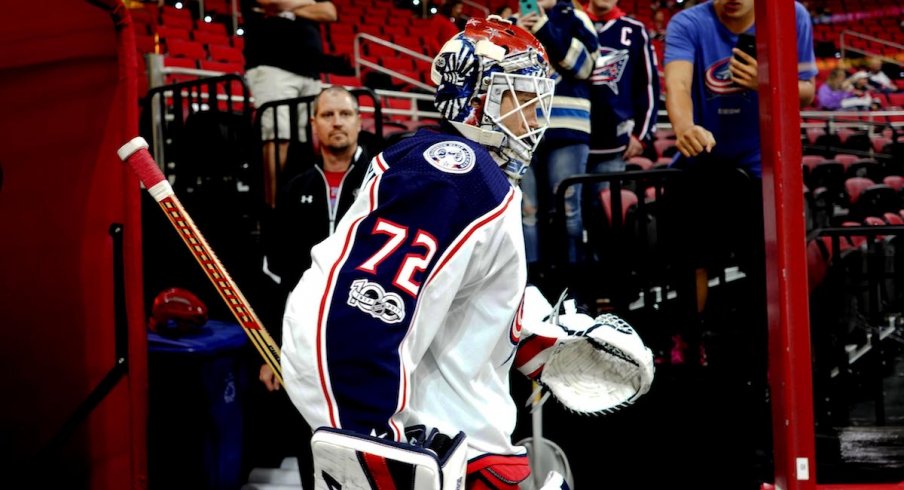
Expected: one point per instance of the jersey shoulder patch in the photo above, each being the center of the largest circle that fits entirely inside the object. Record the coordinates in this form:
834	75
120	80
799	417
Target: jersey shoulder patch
451	156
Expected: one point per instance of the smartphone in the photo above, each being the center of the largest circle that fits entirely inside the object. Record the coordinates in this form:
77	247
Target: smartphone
528	7
747	43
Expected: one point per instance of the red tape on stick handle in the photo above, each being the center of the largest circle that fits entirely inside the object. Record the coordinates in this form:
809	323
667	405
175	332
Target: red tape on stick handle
136	154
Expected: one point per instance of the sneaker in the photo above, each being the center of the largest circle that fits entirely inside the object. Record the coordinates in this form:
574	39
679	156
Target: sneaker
679	346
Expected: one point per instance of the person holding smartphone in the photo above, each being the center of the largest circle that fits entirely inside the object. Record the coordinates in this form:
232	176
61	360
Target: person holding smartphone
713	105
712	84
570	41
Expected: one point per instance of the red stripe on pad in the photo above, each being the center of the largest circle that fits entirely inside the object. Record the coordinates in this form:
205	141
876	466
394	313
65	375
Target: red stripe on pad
379	471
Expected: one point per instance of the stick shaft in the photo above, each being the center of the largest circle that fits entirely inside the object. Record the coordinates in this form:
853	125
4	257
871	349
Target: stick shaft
142	163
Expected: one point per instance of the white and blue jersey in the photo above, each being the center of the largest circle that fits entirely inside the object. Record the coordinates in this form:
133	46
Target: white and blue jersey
409	313
572	47
729	111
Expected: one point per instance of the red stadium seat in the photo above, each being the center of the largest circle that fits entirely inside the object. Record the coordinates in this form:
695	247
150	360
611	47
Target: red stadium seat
896	99
638	163
348	81
186	49
879	142
665	147
855	186
846	159
222	66
166	33
145	44
177	21
628	201
209	37
180	62
896	182
226	54
214	27
811	161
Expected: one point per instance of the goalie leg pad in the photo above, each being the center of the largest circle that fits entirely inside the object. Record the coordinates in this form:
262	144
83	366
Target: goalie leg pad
349	461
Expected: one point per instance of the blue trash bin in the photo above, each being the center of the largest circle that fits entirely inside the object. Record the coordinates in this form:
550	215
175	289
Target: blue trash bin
198	385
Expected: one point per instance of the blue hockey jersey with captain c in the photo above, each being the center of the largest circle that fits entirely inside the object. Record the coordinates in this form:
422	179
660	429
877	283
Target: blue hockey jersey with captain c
625	84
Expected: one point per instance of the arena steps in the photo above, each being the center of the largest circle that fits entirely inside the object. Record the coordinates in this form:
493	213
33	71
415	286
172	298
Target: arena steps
285	477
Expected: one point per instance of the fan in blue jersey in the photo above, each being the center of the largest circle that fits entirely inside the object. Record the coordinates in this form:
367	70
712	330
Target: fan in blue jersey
571	43
713	107
625	90
716	215
408	314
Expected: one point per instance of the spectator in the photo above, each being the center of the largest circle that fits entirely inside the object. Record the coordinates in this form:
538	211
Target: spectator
716	217
405	316
282	47
504	11
838	93
310	204
865	93
307	210
625	89
446	23
877	79
570	41
660	21
712	102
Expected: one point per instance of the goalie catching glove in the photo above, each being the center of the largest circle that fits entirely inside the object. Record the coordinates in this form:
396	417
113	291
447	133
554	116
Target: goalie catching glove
591	365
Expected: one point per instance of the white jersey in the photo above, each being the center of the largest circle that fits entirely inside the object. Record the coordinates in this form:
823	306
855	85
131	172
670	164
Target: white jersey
410	313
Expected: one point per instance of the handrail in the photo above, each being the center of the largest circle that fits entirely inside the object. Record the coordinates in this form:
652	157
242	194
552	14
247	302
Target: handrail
852	119
359	61
848	33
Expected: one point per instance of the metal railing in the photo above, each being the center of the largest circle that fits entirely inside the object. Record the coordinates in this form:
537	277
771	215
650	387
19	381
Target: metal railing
361	62
845	46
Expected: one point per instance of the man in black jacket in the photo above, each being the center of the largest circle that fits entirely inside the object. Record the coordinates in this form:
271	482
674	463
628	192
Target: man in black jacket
307	210
309	206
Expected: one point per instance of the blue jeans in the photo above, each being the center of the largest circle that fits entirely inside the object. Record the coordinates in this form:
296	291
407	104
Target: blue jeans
556	165
605	163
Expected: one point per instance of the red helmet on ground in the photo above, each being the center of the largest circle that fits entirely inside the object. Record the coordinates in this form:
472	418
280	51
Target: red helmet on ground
177	311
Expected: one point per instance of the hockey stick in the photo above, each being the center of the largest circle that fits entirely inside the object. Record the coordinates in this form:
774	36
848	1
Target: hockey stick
136	154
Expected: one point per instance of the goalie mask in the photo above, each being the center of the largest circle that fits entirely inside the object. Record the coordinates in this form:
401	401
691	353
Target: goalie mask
476	71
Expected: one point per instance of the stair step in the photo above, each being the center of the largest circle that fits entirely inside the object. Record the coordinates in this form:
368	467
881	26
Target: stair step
278	476
289	464
269	486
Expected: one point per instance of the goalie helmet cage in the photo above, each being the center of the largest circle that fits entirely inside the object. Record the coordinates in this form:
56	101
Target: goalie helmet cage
790	370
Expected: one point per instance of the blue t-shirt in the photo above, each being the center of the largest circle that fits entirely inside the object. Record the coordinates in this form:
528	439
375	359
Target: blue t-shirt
728	110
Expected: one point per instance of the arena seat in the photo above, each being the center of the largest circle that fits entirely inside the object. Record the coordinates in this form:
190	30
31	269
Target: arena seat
638	163
865	167
896	182
876	200
186	49
854	187
628	201
348	81
665	147
226	53
845	159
